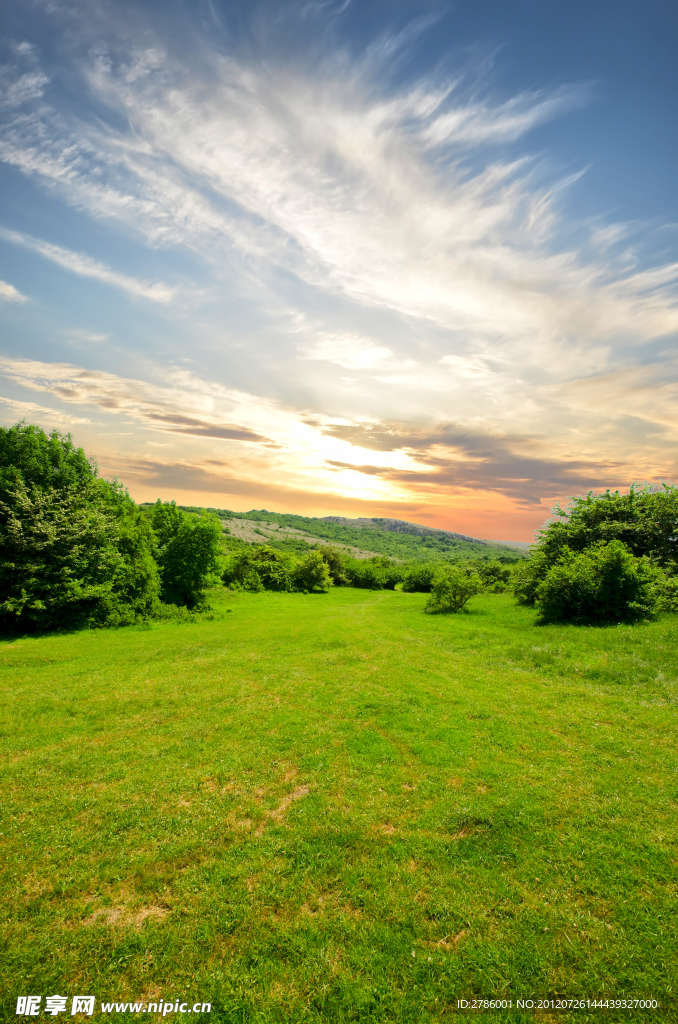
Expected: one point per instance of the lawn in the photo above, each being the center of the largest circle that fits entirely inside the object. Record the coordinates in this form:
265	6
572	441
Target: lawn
336	808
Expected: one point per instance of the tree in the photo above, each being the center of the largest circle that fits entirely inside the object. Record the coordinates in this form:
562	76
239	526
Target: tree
452	588
188	552
312	574
419	577
602	584
260	568
74	549
336	561
645	520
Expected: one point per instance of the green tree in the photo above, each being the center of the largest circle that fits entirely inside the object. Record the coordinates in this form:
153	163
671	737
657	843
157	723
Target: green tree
188	553
419	577
645	520
452	588
260	568
312	574
74	549
602	584
336	561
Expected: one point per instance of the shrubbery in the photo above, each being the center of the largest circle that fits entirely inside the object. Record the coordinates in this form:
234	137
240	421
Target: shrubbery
453	586
604	583
188	553
607	558
74	550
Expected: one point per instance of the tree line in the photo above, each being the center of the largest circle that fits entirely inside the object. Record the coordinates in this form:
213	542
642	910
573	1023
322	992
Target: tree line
76	551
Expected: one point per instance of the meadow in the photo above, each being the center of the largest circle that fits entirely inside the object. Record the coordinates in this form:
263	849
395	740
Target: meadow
332	807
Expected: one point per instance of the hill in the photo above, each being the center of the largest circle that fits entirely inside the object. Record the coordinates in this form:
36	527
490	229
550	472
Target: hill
362	537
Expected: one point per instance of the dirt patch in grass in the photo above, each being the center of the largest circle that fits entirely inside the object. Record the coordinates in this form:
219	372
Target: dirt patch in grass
279	813
120	917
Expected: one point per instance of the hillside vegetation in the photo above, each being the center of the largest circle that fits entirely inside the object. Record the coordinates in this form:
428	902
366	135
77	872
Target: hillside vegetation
392	537
330	808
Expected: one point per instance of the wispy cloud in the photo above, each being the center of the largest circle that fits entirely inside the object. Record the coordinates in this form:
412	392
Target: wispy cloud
401	231
85	266
8	293
321	174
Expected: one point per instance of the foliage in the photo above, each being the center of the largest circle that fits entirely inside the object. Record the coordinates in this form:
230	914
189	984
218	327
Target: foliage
74	549
645	520
409	542
496	575
419	577
336	561
188	553
452	588
602	584
312	574
30	456
259	568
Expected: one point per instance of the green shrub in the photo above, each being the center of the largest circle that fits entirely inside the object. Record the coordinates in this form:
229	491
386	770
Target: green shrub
452	588
188	553
603	584
529	574
312	574
419	577
495	575
259	568
336	561
74	550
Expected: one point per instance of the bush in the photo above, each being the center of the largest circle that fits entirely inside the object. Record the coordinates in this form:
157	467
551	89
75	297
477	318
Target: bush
495	575
312	574
260	568
452	588
603	584
74	550
645	521
336	561
188	553
529	574
419	577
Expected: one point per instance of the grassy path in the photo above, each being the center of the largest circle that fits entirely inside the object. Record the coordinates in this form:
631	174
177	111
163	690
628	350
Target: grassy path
336	808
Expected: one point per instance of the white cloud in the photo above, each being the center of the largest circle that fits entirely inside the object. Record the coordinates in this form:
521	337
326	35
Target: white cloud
321	174
78	263
355	353
8	293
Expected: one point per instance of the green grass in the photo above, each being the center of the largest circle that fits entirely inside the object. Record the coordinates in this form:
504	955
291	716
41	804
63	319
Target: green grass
337	808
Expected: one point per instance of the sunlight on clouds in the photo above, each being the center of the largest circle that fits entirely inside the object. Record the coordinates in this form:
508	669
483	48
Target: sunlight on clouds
375	228
351	352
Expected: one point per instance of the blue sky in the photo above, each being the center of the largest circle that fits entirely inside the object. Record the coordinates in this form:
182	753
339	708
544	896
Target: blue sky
402	259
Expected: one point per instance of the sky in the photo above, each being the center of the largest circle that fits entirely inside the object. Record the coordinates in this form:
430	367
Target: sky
415	260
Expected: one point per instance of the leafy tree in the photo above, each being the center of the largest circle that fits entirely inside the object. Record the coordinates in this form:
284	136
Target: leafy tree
74	549
188	553
260	568
602	584
495	575
336	561
30	456
313	574
365	574
452	588
419	577
645	520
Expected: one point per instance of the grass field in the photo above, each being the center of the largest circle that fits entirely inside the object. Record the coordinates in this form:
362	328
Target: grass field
337	808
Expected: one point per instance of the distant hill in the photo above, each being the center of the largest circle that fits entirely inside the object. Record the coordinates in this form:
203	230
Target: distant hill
363	537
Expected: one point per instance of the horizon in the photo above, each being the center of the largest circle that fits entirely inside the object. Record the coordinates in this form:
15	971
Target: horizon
416	263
